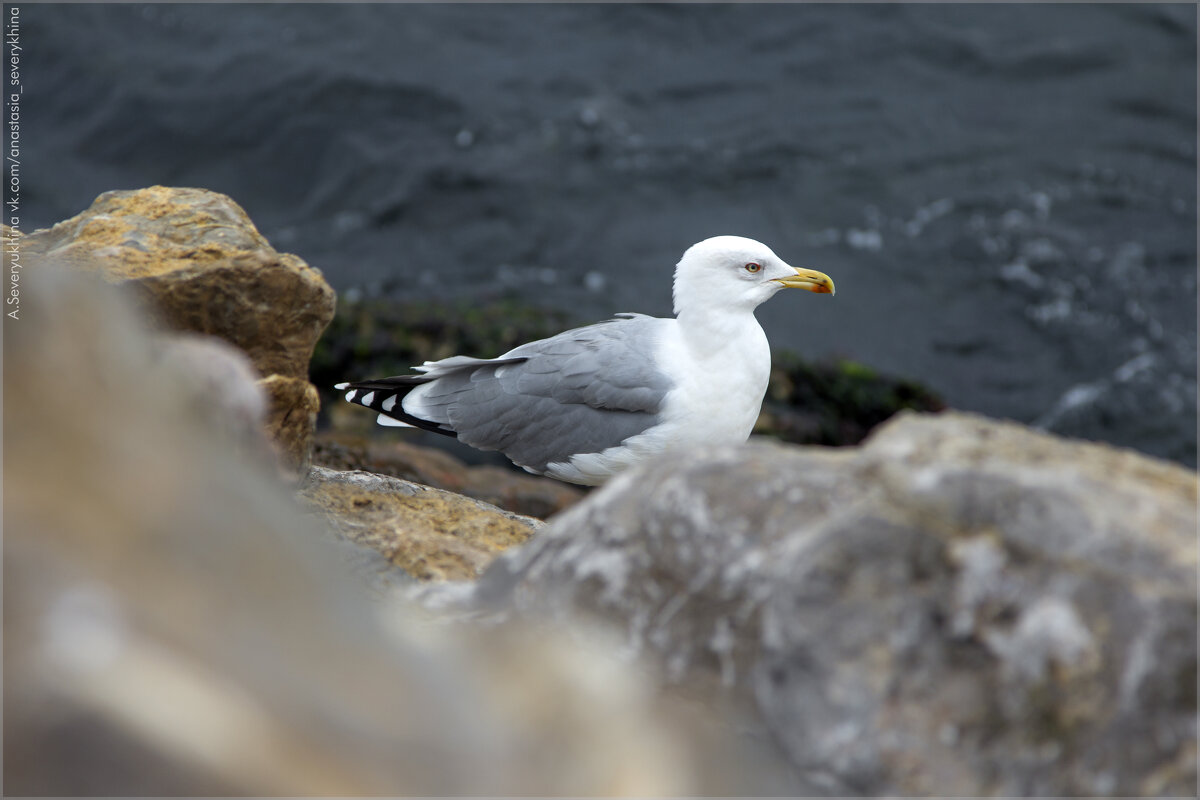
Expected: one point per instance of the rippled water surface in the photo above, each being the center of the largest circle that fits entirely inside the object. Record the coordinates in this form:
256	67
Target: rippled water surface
1005	195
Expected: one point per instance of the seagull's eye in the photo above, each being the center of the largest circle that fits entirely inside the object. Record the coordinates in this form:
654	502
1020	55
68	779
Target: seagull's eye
753	267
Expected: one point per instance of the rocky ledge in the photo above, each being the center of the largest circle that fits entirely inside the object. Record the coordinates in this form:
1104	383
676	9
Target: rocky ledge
507	488
955	606
429	533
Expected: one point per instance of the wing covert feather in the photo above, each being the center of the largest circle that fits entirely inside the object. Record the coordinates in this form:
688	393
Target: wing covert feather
581	391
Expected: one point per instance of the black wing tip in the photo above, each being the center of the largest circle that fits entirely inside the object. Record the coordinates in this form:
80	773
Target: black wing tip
389	392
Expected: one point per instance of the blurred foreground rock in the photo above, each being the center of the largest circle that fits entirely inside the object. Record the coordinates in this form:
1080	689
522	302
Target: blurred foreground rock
429	533
202	266
219	386
958	607
521	493
174	625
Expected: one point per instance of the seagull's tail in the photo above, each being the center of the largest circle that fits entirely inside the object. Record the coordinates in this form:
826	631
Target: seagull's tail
386	395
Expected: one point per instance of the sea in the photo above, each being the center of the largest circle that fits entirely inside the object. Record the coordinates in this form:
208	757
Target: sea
1005	194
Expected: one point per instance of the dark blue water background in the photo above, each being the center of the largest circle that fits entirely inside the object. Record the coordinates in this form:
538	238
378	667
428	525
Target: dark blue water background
1005	194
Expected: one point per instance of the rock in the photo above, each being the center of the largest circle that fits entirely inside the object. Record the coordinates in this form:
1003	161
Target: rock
175	625
520	493
206	268
291	418
199	262
429	533
222	385
960	606
514	491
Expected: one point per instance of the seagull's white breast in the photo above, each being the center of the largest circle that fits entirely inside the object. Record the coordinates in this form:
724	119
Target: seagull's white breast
719	381
720	378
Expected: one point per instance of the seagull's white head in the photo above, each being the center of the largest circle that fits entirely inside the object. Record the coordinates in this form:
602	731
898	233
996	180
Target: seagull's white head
727	272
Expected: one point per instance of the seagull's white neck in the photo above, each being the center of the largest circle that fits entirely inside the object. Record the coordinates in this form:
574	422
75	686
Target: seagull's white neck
729	331
712	316
720	362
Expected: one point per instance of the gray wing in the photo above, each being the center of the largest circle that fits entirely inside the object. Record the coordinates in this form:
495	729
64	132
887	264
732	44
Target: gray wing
581	391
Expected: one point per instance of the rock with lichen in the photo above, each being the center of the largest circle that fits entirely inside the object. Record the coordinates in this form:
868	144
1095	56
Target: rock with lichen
429	533
200	264
292	405
519	492
959	606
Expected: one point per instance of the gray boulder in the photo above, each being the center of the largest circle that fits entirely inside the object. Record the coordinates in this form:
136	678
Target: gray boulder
959	606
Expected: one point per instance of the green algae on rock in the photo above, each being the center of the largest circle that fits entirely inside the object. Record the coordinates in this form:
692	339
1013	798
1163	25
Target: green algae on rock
380	337
835	402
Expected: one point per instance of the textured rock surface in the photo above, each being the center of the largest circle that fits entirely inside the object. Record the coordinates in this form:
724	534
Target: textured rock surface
174	625
960	606
429	533
506	488
199	261
291	417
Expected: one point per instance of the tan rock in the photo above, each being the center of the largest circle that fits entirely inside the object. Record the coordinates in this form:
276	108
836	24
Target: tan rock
202	266
429	533
532	495
291	417
529	495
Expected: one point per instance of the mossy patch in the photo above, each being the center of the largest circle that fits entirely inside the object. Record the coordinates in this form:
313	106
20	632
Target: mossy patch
371	338
835	401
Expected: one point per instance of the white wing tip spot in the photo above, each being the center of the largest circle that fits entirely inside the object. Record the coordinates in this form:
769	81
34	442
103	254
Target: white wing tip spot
367	398
350	395
389	404
340	386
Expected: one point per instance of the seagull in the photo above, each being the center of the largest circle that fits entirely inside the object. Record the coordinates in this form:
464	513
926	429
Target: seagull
590	402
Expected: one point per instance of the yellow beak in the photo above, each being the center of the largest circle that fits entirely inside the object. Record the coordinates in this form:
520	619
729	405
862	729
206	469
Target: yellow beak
808	279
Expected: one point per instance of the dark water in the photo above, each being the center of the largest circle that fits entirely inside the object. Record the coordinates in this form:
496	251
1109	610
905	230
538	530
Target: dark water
1005	195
